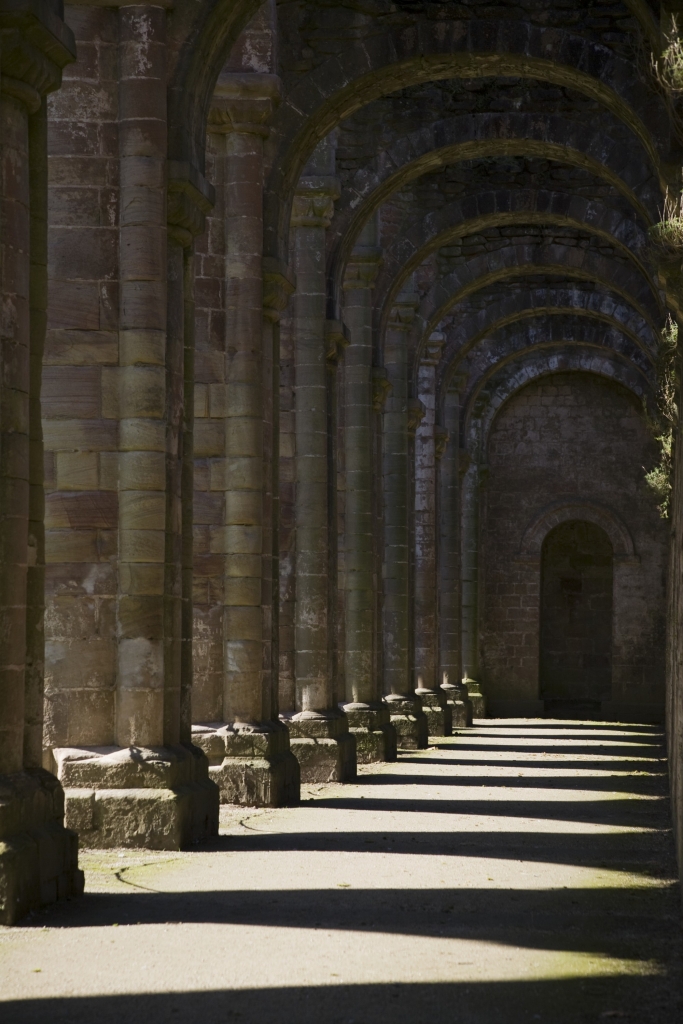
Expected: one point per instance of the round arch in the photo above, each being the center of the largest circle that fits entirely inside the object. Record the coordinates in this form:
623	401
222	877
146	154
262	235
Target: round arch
505	208
485	403
479	136
530	548
542	332
549	259
430	51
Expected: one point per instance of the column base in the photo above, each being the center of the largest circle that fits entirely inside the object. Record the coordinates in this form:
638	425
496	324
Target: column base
459	703
476	697
437	711
158	798
250	764
38	855
323	746
409	721
375	735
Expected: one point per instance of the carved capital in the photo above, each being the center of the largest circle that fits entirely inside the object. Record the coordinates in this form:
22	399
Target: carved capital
381	388
441	438
403	313
278	284
336	340
416	413
244	103
313	205
362	268
190	197
431	353
36	45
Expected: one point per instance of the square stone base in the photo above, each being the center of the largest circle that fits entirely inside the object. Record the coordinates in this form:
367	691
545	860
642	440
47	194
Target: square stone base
409	721
251	765
477	698
323	746
38	855
437	712
375	735
460	705
153	798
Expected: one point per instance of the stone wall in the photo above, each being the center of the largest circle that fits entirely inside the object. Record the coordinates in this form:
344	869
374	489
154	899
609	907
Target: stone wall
563	442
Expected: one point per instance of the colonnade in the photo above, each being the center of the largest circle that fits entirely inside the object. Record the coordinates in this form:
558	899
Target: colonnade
244	549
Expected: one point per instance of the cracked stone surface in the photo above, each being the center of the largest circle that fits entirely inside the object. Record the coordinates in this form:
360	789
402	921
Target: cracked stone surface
520	871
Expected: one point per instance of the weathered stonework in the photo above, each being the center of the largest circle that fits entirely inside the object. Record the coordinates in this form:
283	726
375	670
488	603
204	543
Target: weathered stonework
350	312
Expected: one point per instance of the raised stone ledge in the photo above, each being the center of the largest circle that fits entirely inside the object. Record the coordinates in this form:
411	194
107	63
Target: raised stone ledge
38	855
251	764
160	798
323	746
375	735
409	721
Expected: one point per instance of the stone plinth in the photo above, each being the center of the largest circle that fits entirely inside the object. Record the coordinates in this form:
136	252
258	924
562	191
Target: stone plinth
323	746
38	855
409	721
437	712
376	738
159	798
460	704
476	698
251	765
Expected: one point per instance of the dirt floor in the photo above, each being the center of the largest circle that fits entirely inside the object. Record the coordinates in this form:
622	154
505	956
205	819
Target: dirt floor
521	871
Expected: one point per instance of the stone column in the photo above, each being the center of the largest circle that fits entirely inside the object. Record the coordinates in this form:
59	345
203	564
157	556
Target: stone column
249	750
450	660
38	856
368	715
407	715
319	730
428	688
470	588
150	787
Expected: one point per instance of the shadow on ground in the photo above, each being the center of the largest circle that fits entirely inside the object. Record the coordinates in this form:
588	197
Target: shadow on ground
639	1000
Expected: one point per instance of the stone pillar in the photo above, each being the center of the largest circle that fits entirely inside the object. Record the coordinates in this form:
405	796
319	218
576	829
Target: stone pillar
428	688
38	856
249	749
318	729
470	588
368	715
407	715
150	786
450	660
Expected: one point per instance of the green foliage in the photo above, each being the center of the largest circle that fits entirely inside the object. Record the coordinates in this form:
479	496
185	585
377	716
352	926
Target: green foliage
659	479
668	68
666	237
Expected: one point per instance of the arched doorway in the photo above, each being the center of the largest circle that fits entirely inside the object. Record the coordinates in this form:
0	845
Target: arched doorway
576	618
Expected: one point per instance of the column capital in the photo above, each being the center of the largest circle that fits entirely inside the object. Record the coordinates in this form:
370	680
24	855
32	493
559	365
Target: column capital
363	266
244	103
441	439
431	353
381	388
336	340
416	413
279	281
313	205
403	313
36	45
190	197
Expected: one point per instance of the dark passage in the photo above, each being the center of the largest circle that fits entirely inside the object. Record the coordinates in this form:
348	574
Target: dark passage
576	619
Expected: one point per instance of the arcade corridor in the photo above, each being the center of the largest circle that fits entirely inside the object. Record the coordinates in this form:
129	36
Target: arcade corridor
521	871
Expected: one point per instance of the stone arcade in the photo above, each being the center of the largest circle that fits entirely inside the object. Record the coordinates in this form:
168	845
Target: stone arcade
347	328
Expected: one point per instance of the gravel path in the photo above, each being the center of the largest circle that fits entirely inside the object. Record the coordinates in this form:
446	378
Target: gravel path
521	871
